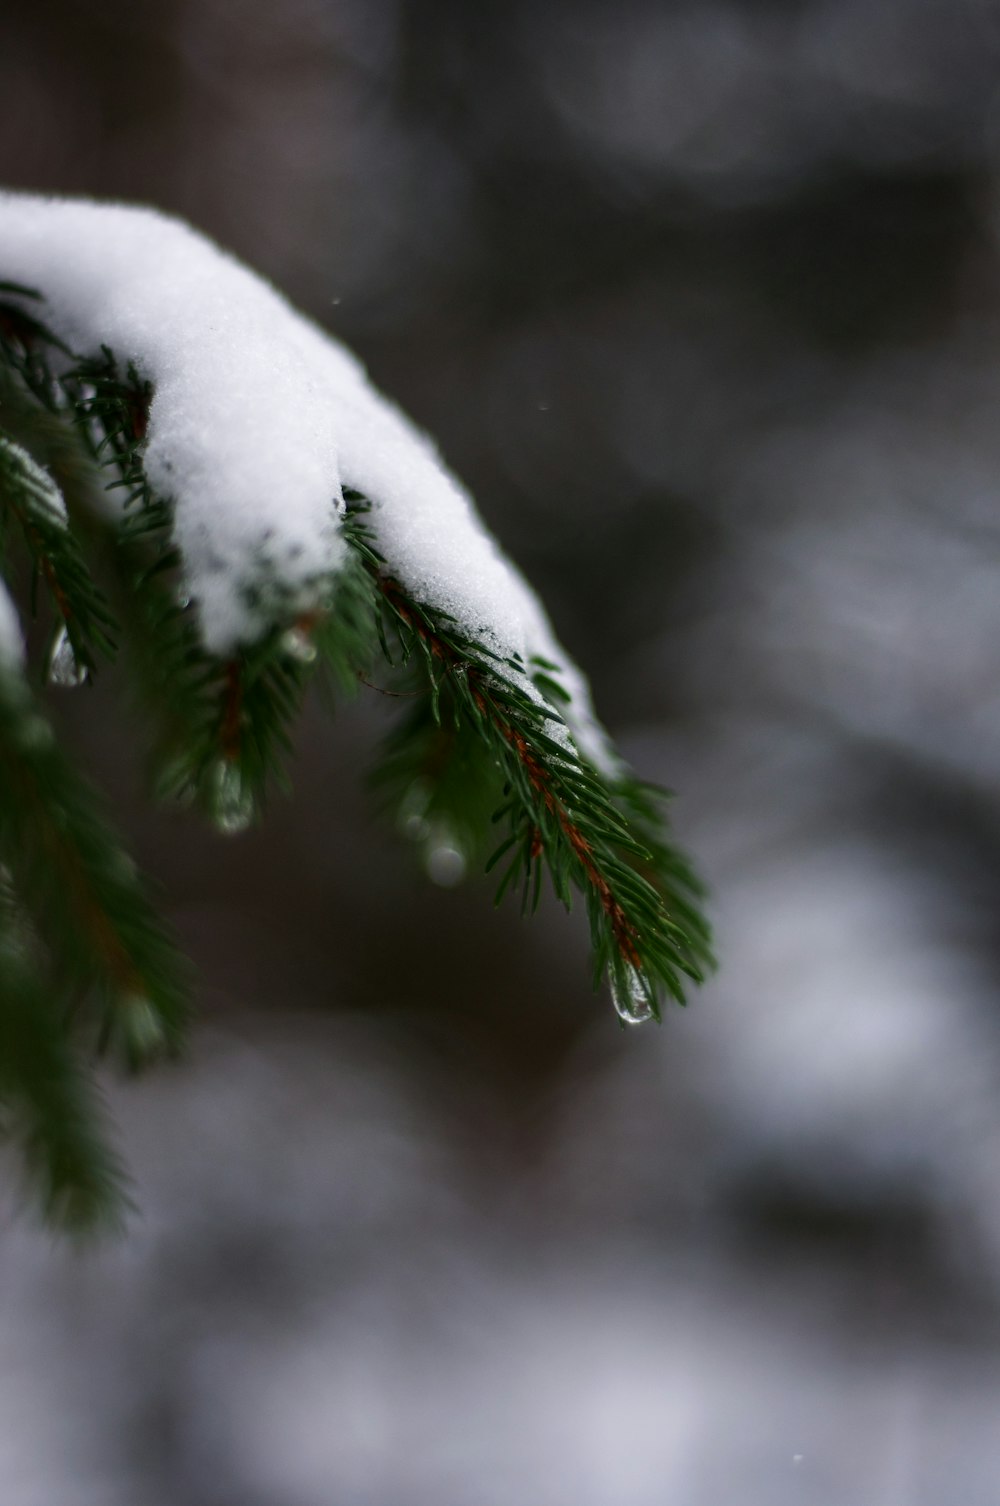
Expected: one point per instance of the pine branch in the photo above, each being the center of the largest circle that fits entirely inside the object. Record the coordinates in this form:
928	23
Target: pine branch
30	498
49	1106
607	839
557	813
482	759
84	964
81	890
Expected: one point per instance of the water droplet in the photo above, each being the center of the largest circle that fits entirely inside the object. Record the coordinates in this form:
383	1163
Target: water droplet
298	645
797	1458
232	802
632	1003
445	862
64	669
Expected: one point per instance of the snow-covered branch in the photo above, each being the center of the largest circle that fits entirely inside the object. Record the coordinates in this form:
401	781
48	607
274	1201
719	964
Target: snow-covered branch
258	512
258	422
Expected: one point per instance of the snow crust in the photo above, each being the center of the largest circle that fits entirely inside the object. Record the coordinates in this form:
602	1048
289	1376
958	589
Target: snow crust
11	642
258	421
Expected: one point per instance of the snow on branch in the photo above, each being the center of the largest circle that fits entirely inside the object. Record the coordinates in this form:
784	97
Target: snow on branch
258	422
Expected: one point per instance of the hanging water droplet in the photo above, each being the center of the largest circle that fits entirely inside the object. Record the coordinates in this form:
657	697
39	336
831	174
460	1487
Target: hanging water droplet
232	802
65	670
632	1003
298	646
444	860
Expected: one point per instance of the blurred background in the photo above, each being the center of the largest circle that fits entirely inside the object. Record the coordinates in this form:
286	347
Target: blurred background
702	299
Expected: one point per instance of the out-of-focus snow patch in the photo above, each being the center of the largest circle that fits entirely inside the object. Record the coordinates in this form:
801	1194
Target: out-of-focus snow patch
843	1064
319	1305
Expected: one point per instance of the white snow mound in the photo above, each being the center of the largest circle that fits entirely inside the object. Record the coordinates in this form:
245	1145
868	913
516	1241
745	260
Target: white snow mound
258	420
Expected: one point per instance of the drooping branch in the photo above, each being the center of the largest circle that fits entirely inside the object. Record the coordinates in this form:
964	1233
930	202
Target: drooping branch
559	811
232	569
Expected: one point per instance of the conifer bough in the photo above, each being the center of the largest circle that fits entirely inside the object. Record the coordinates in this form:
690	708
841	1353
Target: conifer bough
196	480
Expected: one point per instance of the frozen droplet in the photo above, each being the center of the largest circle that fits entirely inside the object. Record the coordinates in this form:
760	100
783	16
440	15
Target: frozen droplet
445	863
232	802
298	646
64	669
797	1458
632	1003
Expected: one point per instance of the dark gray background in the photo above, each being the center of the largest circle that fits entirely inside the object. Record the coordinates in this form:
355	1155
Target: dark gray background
703	301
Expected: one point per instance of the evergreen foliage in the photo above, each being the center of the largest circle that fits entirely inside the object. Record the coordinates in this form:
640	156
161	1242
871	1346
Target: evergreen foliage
481	757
